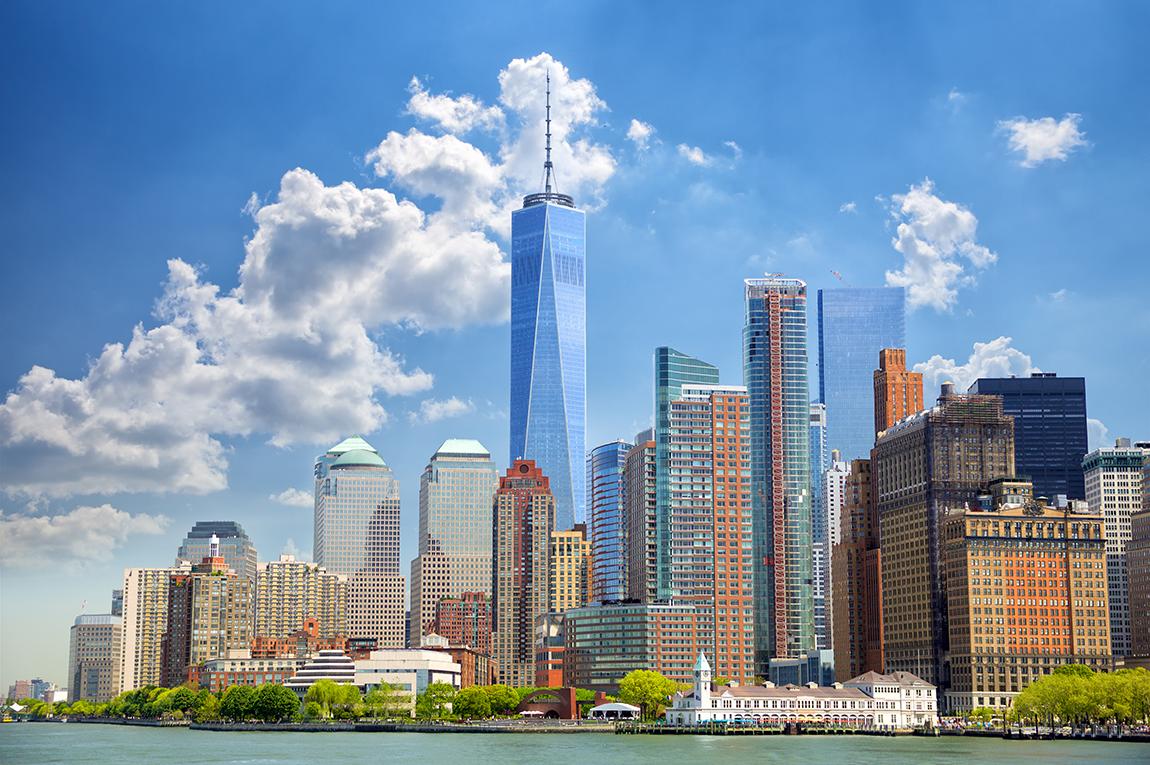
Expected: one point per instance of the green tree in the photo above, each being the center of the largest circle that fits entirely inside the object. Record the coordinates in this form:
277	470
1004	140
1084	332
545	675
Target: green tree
326	693
238	703
312	711
434	702
275	703
208	710
502	698
647	690
385	701
471	703
184	699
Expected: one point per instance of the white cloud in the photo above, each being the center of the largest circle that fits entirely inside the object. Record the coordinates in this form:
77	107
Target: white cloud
82	535
956	99
293	498
1097	434
433	410
291	548
452	115
694	155
640	134
848	207
1045	138
291	352
934	237
735	149
1060	295
996	358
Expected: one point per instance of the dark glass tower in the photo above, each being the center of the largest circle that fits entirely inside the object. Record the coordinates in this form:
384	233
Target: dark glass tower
854	325
1049	429
235	547
549	342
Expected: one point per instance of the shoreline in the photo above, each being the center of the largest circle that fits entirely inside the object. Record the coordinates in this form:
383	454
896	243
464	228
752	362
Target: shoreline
554	728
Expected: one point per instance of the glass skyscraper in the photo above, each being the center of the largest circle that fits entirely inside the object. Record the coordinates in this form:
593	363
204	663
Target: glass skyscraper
820	547
1049	429
854	325
673	370
775	373
548	346
608	526
235	546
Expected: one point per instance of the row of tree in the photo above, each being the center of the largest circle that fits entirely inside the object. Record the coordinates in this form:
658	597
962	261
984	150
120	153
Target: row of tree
1076	695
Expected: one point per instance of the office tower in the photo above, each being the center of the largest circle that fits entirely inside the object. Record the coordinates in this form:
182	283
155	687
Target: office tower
568	570
465	620
922	466
825	532
455	493
94	658
549	341
820	552
289	592
709	520
605	493
117	602
855	579
673	370
1138	575
1113	477
1049	557
357	535
605	642
775	373
209	614
523	518
897	392
1049	429
236	548
144	623
854	325
642	534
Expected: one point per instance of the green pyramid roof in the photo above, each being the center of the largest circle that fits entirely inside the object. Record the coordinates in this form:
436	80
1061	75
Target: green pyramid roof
352	443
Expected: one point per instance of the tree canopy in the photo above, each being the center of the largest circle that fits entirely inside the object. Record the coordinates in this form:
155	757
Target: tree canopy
647	690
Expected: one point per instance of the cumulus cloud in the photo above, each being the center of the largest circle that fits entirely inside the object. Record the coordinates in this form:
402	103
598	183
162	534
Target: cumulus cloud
293	498
996	358
640	134
848	207
1097	434
935	237
434	410
694	155
84	534
291	353
1045	138
452	115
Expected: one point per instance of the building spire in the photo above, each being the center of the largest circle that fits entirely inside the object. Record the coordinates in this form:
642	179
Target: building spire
547	161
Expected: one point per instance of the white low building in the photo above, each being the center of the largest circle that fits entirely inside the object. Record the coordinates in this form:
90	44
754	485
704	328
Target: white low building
897	701
407	669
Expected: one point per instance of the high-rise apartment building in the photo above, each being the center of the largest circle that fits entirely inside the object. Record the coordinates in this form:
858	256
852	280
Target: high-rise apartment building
856	580
94	658
775	373
1113	477
673	370
854	325
605	493
569	570
1138	574
1049	429
710	523
236	547
144	624
820	553
523	518
897	392
455	494
209	614
825	533
923	466
549	341
1026	592
290	592
640	513
357	535
465	620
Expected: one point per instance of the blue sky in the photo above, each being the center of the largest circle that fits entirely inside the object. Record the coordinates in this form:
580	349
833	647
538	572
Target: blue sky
991	158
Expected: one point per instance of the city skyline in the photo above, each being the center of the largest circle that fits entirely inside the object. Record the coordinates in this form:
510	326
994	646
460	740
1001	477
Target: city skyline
662	190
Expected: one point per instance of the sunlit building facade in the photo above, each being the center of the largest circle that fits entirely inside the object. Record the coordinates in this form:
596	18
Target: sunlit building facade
605	493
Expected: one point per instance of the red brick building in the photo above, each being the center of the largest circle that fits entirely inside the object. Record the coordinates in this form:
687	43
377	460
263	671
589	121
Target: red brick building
465	620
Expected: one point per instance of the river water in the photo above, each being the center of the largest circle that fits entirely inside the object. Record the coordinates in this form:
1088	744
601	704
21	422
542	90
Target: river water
47	743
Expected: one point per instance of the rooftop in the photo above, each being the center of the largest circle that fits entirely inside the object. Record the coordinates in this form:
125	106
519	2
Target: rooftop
467	447
359	458
351	443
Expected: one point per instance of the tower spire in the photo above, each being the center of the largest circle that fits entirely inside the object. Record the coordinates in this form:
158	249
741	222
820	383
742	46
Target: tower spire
547	161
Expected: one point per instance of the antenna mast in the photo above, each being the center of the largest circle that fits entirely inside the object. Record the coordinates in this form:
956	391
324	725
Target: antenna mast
547	162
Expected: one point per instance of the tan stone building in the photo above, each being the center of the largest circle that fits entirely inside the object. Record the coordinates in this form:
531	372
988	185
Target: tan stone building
897	392
289	592
145	621
94	658
569	570
855	575
1026	592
